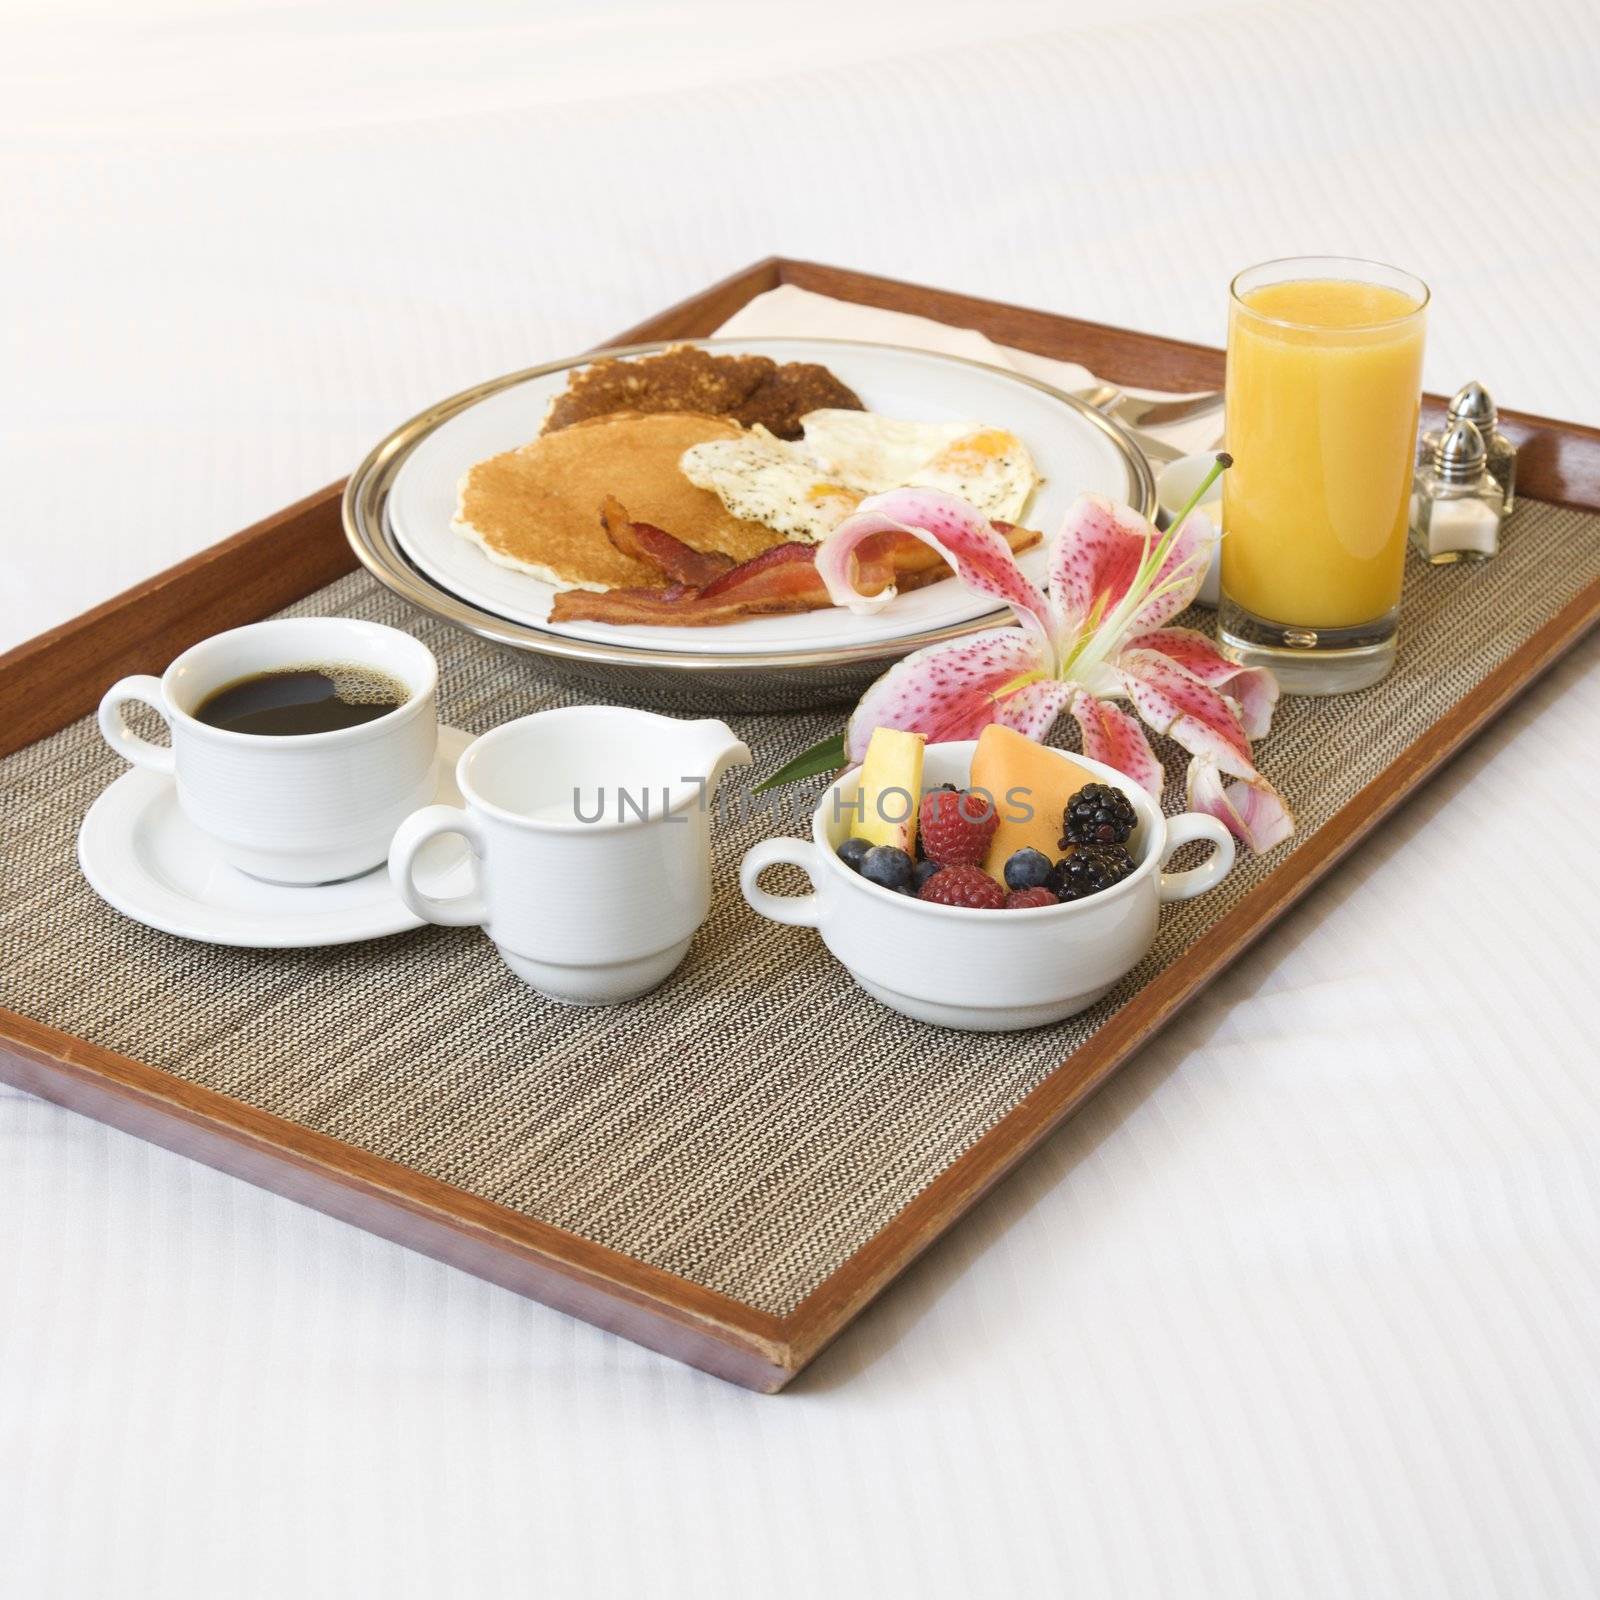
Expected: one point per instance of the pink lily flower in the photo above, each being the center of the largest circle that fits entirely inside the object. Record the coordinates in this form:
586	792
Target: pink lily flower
1098	639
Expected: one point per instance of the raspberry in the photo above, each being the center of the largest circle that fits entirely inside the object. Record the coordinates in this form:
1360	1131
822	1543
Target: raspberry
1025	899
964	885
955	827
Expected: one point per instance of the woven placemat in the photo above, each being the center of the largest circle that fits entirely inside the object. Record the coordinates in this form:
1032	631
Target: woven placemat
754	1122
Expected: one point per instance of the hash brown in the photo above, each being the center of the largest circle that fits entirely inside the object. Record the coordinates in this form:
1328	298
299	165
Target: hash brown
749	389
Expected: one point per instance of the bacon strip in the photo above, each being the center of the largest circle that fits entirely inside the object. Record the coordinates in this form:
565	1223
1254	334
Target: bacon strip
645	542
781	580
778	580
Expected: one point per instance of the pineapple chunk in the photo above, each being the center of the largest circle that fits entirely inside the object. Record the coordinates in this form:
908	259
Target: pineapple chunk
891	789
1030	785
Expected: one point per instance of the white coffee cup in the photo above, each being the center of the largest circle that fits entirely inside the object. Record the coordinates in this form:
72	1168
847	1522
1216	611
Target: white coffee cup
297	808
592	831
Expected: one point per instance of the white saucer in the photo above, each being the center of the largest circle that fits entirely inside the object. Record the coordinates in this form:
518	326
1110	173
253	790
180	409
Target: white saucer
142	857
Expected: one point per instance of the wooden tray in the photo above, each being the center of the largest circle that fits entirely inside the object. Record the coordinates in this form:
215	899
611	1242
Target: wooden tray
51	681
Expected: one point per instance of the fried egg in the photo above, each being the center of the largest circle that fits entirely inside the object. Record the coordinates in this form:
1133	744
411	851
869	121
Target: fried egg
764	479
883	454
805	489
990	469
987	467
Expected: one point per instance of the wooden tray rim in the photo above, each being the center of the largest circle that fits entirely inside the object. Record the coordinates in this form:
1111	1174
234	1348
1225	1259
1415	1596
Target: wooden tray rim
49	681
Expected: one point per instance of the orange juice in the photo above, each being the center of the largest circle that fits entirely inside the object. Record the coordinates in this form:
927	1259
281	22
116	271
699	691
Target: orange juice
1324	380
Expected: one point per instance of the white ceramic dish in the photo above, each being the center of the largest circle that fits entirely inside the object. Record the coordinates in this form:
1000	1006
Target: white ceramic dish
984	971
1073	450
144	858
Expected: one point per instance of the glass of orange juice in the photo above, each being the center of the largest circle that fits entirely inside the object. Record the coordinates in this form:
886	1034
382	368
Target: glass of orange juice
1323	389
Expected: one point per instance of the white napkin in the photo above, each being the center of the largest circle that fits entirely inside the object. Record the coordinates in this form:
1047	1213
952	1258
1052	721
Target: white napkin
789	310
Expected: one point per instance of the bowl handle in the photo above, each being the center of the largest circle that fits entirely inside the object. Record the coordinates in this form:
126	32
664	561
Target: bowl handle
799	910
1186	829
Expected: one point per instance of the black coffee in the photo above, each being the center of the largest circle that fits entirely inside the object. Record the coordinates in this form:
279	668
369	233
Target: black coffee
303	700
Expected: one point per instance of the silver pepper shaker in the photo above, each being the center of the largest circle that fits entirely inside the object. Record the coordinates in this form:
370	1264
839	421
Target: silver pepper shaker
1457	506
1473	403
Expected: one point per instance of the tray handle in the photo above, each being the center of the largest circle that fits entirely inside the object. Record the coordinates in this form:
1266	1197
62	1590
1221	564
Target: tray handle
469	910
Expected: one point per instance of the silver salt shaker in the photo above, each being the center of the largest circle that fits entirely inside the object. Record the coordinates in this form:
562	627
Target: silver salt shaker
1473	403
1457	506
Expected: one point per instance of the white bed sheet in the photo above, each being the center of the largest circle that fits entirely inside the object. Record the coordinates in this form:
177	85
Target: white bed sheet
1307	1301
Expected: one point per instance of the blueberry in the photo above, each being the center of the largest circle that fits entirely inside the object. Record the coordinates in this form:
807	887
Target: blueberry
887	866
851	852
921	873
1027	869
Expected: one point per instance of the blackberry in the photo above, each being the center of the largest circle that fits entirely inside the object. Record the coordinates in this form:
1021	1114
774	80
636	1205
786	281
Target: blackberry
1089	869
1098	814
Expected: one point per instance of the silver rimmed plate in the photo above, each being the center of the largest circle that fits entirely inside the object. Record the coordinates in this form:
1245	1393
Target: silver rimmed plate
399	503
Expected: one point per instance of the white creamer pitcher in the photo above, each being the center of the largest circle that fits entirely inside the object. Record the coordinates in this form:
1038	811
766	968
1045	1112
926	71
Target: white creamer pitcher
592	831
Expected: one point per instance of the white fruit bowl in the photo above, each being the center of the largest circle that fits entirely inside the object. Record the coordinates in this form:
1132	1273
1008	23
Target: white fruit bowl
984	971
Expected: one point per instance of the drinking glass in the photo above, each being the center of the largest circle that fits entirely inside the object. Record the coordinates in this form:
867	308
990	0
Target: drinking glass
1323	389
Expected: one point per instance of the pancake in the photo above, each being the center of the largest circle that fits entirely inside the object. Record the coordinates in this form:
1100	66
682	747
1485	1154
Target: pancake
537	508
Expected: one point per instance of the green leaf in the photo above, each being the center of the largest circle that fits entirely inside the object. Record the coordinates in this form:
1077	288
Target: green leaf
825	757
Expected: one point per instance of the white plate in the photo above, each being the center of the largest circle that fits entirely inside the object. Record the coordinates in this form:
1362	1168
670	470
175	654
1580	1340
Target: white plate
1071	451
145	859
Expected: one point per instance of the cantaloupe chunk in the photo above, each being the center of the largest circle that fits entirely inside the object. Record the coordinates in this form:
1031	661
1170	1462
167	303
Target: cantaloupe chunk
1030	785
891	789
